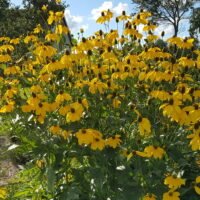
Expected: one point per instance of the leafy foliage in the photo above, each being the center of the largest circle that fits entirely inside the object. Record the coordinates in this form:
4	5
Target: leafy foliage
114	118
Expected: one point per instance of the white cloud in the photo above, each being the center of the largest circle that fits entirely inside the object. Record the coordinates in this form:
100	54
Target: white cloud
96	12
73	21
120	7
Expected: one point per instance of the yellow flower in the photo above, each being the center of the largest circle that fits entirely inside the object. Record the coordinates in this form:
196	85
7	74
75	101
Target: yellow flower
160	94
27	108
149	27
186	62
97	143
30	38
174	182
75	112
105	16
41	108
197	185
172	109
58	1
65	134
60	29
84	102
116	103
97	86
123	16
112	36
35	98
149	197
6	39
195	140
187	43
51	37
44	7
10	93
84	136
171	195
40	119
9	107
154	151
12	70
55	129
45	51
36	89
6	48
113	141
3	193
152	38
63	97
5	58
55	17
144	126
140	19
38	29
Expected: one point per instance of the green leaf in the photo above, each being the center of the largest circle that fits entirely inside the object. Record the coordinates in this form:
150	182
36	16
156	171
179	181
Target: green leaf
51	178
23	193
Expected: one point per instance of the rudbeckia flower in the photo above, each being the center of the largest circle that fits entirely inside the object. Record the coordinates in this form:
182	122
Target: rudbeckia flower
60	29
195	140
15	41
171	195
63	97
75	112
149	197
123	16
97	143
12	70
144	126
113	141
197	185
152	151
84	136
9	107
160	94
44	7
172	109
38	29
52	37
174	182
105	16
5	58
97	86
6	48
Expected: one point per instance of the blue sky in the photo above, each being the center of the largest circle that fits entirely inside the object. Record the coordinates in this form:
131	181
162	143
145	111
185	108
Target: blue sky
83	13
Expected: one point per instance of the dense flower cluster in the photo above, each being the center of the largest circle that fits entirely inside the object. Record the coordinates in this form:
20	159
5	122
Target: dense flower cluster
124	94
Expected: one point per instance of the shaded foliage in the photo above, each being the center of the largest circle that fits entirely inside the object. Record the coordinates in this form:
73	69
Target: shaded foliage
195	22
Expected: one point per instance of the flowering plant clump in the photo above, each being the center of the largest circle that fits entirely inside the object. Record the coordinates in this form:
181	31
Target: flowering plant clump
114	117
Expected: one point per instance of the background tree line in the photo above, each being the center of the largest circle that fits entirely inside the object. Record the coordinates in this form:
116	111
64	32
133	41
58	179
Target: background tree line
173	12
15	21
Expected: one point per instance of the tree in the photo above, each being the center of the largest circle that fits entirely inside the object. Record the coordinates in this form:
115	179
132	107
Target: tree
195	22
170	11
35	13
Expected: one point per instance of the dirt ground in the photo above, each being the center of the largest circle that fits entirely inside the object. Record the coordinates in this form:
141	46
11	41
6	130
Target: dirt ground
7	168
